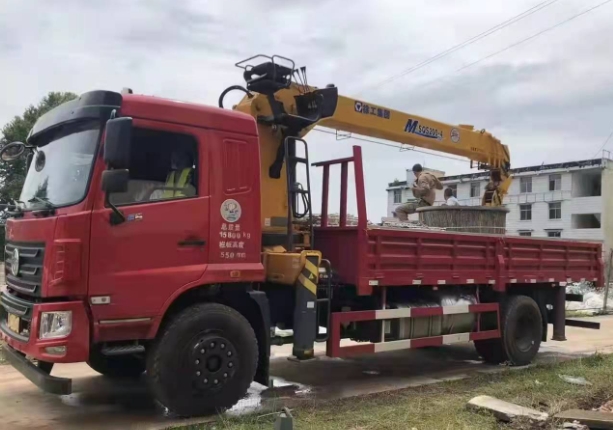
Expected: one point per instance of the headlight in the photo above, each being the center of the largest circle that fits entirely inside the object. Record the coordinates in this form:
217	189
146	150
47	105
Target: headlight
54	325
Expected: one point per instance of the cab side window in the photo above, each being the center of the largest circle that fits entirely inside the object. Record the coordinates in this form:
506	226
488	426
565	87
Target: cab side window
163	166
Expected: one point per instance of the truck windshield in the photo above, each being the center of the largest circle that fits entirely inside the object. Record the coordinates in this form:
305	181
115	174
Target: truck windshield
61	167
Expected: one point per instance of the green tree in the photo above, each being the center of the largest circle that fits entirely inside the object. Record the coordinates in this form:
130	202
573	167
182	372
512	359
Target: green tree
13	174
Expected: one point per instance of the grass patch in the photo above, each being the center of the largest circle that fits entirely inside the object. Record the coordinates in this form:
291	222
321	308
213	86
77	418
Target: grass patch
443	406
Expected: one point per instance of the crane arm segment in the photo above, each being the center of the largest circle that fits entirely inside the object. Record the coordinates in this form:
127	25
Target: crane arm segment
371	120
284	108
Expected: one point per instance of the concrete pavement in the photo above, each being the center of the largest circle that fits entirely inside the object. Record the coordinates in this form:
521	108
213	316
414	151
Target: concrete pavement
98	403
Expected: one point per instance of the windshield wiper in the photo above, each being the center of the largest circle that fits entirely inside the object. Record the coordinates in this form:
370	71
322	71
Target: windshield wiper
45	201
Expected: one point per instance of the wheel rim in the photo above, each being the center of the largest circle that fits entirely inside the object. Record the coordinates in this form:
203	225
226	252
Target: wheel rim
213	363
525	333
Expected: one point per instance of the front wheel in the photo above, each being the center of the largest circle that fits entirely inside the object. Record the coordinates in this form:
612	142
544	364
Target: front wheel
521	333
203	361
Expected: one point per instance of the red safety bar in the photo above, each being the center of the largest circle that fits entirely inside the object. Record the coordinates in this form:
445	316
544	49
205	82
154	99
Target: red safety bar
359	188
334	349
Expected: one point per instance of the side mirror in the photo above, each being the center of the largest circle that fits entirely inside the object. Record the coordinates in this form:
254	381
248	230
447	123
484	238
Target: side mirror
12	151
117	143
115	181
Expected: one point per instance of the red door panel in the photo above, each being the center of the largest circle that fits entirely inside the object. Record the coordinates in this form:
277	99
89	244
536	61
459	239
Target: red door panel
142	262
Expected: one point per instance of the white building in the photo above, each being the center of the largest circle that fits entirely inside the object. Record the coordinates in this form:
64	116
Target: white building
571	200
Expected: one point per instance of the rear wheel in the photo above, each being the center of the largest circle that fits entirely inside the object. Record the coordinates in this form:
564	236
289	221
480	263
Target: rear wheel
116	366
521	332
203	361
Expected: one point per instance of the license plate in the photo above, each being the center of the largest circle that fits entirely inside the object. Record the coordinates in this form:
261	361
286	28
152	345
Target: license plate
13	323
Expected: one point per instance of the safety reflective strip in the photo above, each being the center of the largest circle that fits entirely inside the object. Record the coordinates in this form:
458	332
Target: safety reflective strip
311	267
310	275
455	309
307	283
125	321
393	345
170	183
393	313
409	312
449	339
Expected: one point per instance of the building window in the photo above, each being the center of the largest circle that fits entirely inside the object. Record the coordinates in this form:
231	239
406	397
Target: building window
555	182
555	210
556	233
525	212
585	221
454	188
475	189
525	233
397	196
525	185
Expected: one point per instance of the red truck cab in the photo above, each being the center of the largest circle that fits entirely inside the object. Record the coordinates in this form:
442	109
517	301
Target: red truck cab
76	279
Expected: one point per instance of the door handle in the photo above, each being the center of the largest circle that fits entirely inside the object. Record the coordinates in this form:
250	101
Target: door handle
192	242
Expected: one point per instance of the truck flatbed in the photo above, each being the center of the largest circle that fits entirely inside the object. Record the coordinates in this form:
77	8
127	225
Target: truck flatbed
369	256
385	256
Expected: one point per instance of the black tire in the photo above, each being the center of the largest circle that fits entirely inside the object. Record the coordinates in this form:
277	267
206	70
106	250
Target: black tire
116	366
491	350
203	361
522	332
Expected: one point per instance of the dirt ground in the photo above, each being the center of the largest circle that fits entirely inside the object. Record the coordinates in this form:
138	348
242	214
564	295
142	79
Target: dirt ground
100	404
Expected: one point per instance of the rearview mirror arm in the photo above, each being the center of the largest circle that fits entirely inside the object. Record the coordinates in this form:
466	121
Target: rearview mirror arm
117	217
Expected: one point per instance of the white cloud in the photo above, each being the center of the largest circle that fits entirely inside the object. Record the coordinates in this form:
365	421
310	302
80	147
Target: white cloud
549	99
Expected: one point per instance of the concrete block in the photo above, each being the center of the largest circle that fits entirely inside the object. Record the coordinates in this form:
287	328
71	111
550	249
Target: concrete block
592	419
505	411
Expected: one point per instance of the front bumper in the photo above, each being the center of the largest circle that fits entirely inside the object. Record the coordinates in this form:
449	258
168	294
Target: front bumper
76	343
41	379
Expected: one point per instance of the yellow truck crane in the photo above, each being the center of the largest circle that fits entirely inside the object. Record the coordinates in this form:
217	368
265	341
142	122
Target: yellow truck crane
112	261
284	107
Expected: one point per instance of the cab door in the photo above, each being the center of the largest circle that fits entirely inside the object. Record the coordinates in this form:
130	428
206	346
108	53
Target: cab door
163	245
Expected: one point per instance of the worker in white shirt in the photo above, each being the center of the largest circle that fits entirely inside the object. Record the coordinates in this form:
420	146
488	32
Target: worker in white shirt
450	199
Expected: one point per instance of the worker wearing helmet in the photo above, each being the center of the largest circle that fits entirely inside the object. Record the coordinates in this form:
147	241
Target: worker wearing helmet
423	190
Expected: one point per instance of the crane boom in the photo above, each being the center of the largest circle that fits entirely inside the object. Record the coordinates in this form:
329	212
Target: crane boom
367	119
287	109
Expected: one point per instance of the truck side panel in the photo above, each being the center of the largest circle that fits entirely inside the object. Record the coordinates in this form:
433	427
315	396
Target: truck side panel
394	257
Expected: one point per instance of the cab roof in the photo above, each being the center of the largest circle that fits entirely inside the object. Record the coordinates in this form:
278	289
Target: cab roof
197	115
